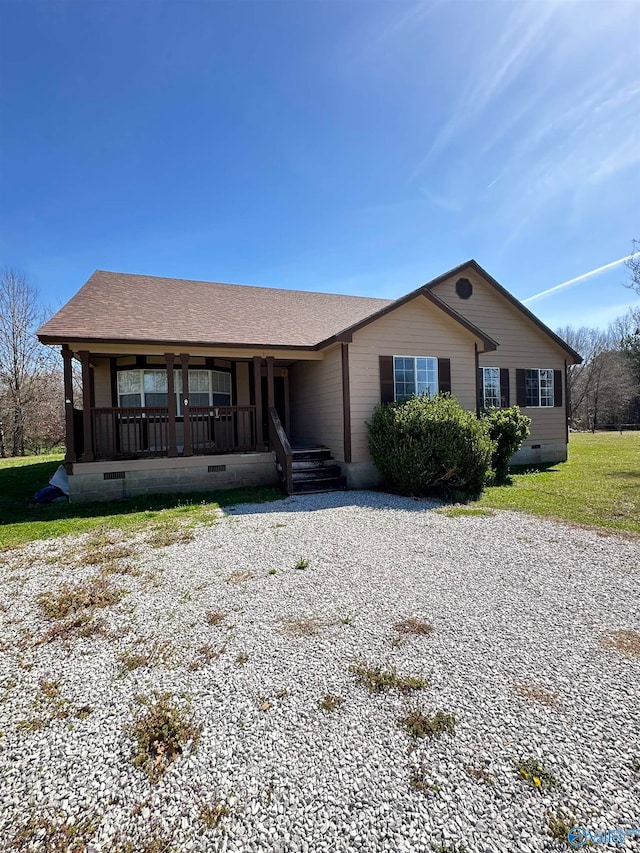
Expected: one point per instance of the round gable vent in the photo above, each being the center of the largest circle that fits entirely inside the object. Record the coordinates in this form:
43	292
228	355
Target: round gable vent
464	288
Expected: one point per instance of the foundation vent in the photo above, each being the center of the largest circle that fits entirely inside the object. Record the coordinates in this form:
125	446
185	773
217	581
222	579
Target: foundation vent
113	475
211	469
535	447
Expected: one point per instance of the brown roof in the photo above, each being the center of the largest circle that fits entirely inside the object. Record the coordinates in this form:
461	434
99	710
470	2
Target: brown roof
146	309
119	306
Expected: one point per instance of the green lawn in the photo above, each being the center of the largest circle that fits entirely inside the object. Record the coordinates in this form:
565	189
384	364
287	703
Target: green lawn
599	485
21	521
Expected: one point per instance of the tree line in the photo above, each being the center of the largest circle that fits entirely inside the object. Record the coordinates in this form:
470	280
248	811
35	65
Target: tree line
31	384
604	391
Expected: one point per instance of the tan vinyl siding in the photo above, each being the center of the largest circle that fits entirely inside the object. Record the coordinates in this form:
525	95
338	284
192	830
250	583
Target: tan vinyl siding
316	402
242	384
102	382
417	328
521	344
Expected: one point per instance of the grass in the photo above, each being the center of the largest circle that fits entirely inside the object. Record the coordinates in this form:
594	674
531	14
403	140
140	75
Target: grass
86	595
378	680
169	533
79	625
330	702
161	733
560	824
420	725
302	564
599	485
20	479
157	654
55	834
461	511
210	816
419	781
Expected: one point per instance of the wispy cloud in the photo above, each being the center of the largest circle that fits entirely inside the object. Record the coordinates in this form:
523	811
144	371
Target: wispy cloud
550	126
496	69
413	16
579	278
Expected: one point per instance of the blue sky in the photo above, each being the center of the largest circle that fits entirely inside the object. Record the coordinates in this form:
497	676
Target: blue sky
347	146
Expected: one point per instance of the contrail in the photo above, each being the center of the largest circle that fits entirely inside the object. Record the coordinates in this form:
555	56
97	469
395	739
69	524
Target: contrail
582	277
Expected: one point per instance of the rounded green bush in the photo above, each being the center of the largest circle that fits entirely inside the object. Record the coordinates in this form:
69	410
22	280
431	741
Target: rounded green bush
430	445
508	428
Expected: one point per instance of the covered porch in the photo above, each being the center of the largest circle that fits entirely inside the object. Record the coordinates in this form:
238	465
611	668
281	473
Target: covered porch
170	406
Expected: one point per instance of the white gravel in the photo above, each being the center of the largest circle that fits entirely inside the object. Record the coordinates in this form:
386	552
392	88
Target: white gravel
516	603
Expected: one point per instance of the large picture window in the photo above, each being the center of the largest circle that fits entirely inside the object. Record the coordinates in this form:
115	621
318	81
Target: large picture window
539	387
414	375
146	387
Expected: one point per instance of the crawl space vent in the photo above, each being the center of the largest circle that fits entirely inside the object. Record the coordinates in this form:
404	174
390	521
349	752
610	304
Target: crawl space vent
113	475
213	468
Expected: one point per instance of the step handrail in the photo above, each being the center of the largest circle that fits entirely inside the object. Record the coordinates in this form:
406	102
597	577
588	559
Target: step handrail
279	443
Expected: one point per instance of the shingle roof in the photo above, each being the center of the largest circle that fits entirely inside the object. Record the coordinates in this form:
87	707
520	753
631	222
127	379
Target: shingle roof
121	306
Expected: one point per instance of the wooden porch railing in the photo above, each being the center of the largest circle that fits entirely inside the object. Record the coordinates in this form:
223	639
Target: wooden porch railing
120	433
279	443
222	429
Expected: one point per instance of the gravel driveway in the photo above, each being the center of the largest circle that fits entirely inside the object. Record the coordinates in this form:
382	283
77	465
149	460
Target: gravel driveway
523	654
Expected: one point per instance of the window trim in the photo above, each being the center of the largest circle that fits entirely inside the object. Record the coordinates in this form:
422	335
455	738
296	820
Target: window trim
415	373
484	386
540	404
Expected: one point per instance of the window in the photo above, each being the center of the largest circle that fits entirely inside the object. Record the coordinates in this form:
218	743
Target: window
539	387
491	397
414	375
138	388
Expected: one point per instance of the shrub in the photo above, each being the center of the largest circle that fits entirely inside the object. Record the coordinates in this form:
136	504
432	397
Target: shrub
508	428
430	445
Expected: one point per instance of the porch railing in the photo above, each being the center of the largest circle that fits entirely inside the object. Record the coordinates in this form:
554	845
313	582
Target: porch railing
222	429
279	443
124	433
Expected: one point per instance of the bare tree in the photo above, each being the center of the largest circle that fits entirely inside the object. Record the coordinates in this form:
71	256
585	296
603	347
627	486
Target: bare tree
633	265
583	380
24	362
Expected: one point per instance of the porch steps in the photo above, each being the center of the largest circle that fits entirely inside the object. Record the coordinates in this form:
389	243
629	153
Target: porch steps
314	470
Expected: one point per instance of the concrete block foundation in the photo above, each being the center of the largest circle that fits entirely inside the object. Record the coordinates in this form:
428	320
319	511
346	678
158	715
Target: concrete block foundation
107	481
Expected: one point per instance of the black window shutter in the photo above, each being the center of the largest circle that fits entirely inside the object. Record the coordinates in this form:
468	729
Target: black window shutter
480	388
557	388
504	387
444	375
386	379
521	388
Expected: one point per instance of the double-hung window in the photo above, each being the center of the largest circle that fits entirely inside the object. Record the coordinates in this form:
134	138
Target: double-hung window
539	387
491	396
414	375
